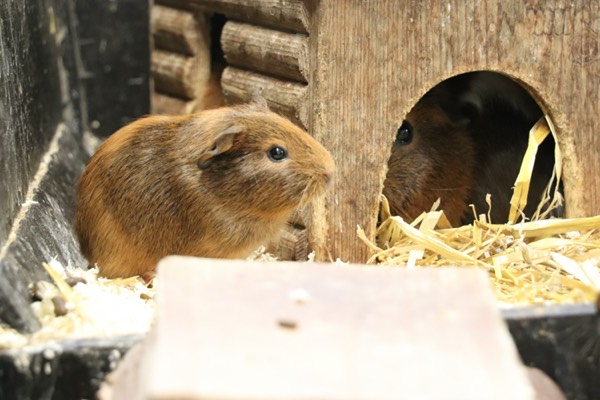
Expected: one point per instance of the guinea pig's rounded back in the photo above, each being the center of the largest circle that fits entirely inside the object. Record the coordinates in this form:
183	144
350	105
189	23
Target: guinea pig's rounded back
130	171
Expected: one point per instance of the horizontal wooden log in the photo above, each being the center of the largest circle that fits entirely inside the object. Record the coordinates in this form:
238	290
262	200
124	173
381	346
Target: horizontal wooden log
287	15
169	105
180	31
265	50
179	75
284	97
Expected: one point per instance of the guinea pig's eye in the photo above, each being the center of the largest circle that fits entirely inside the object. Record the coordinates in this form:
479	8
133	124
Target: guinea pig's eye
405	134
277	153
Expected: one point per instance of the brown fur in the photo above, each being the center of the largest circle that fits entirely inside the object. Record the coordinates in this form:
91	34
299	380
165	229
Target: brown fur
438	163
143	196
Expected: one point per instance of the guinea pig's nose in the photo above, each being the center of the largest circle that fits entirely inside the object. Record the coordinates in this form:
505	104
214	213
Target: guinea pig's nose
328	174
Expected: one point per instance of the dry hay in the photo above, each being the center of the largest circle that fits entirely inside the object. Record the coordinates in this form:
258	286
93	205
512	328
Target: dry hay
94	307
540	261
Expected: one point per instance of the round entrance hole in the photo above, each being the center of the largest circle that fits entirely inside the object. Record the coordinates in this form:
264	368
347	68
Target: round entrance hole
463	139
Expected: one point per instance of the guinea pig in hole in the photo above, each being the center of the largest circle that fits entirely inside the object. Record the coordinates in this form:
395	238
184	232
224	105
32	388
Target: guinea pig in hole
463	139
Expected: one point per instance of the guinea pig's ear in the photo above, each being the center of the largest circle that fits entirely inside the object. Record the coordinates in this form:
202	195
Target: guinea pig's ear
220	144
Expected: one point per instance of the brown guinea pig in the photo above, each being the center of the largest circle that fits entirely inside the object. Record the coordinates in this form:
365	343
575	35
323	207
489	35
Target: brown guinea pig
432	157
464	139
214	184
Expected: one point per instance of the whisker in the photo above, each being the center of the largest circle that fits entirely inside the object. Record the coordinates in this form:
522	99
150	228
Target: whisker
307	194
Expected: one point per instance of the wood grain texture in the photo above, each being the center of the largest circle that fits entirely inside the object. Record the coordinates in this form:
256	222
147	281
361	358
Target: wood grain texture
368	75
180	31
286	15
30	100
284	55
284	97
350	332
177	74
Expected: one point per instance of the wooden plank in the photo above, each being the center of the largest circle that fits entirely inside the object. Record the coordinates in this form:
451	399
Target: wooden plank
284	97
180	31
179	75
231	329
284	55
286	15
568	89
545	388
361	92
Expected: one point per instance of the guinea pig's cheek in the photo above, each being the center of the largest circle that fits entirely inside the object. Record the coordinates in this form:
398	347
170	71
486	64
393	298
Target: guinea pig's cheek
288	183
282	170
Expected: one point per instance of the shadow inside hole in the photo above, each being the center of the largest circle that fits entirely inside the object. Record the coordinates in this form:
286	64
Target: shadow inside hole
212	94
217	57
463	139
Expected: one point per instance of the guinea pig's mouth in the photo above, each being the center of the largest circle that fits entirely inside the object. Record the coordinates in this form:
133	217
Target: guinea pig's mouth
315	187
327	177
